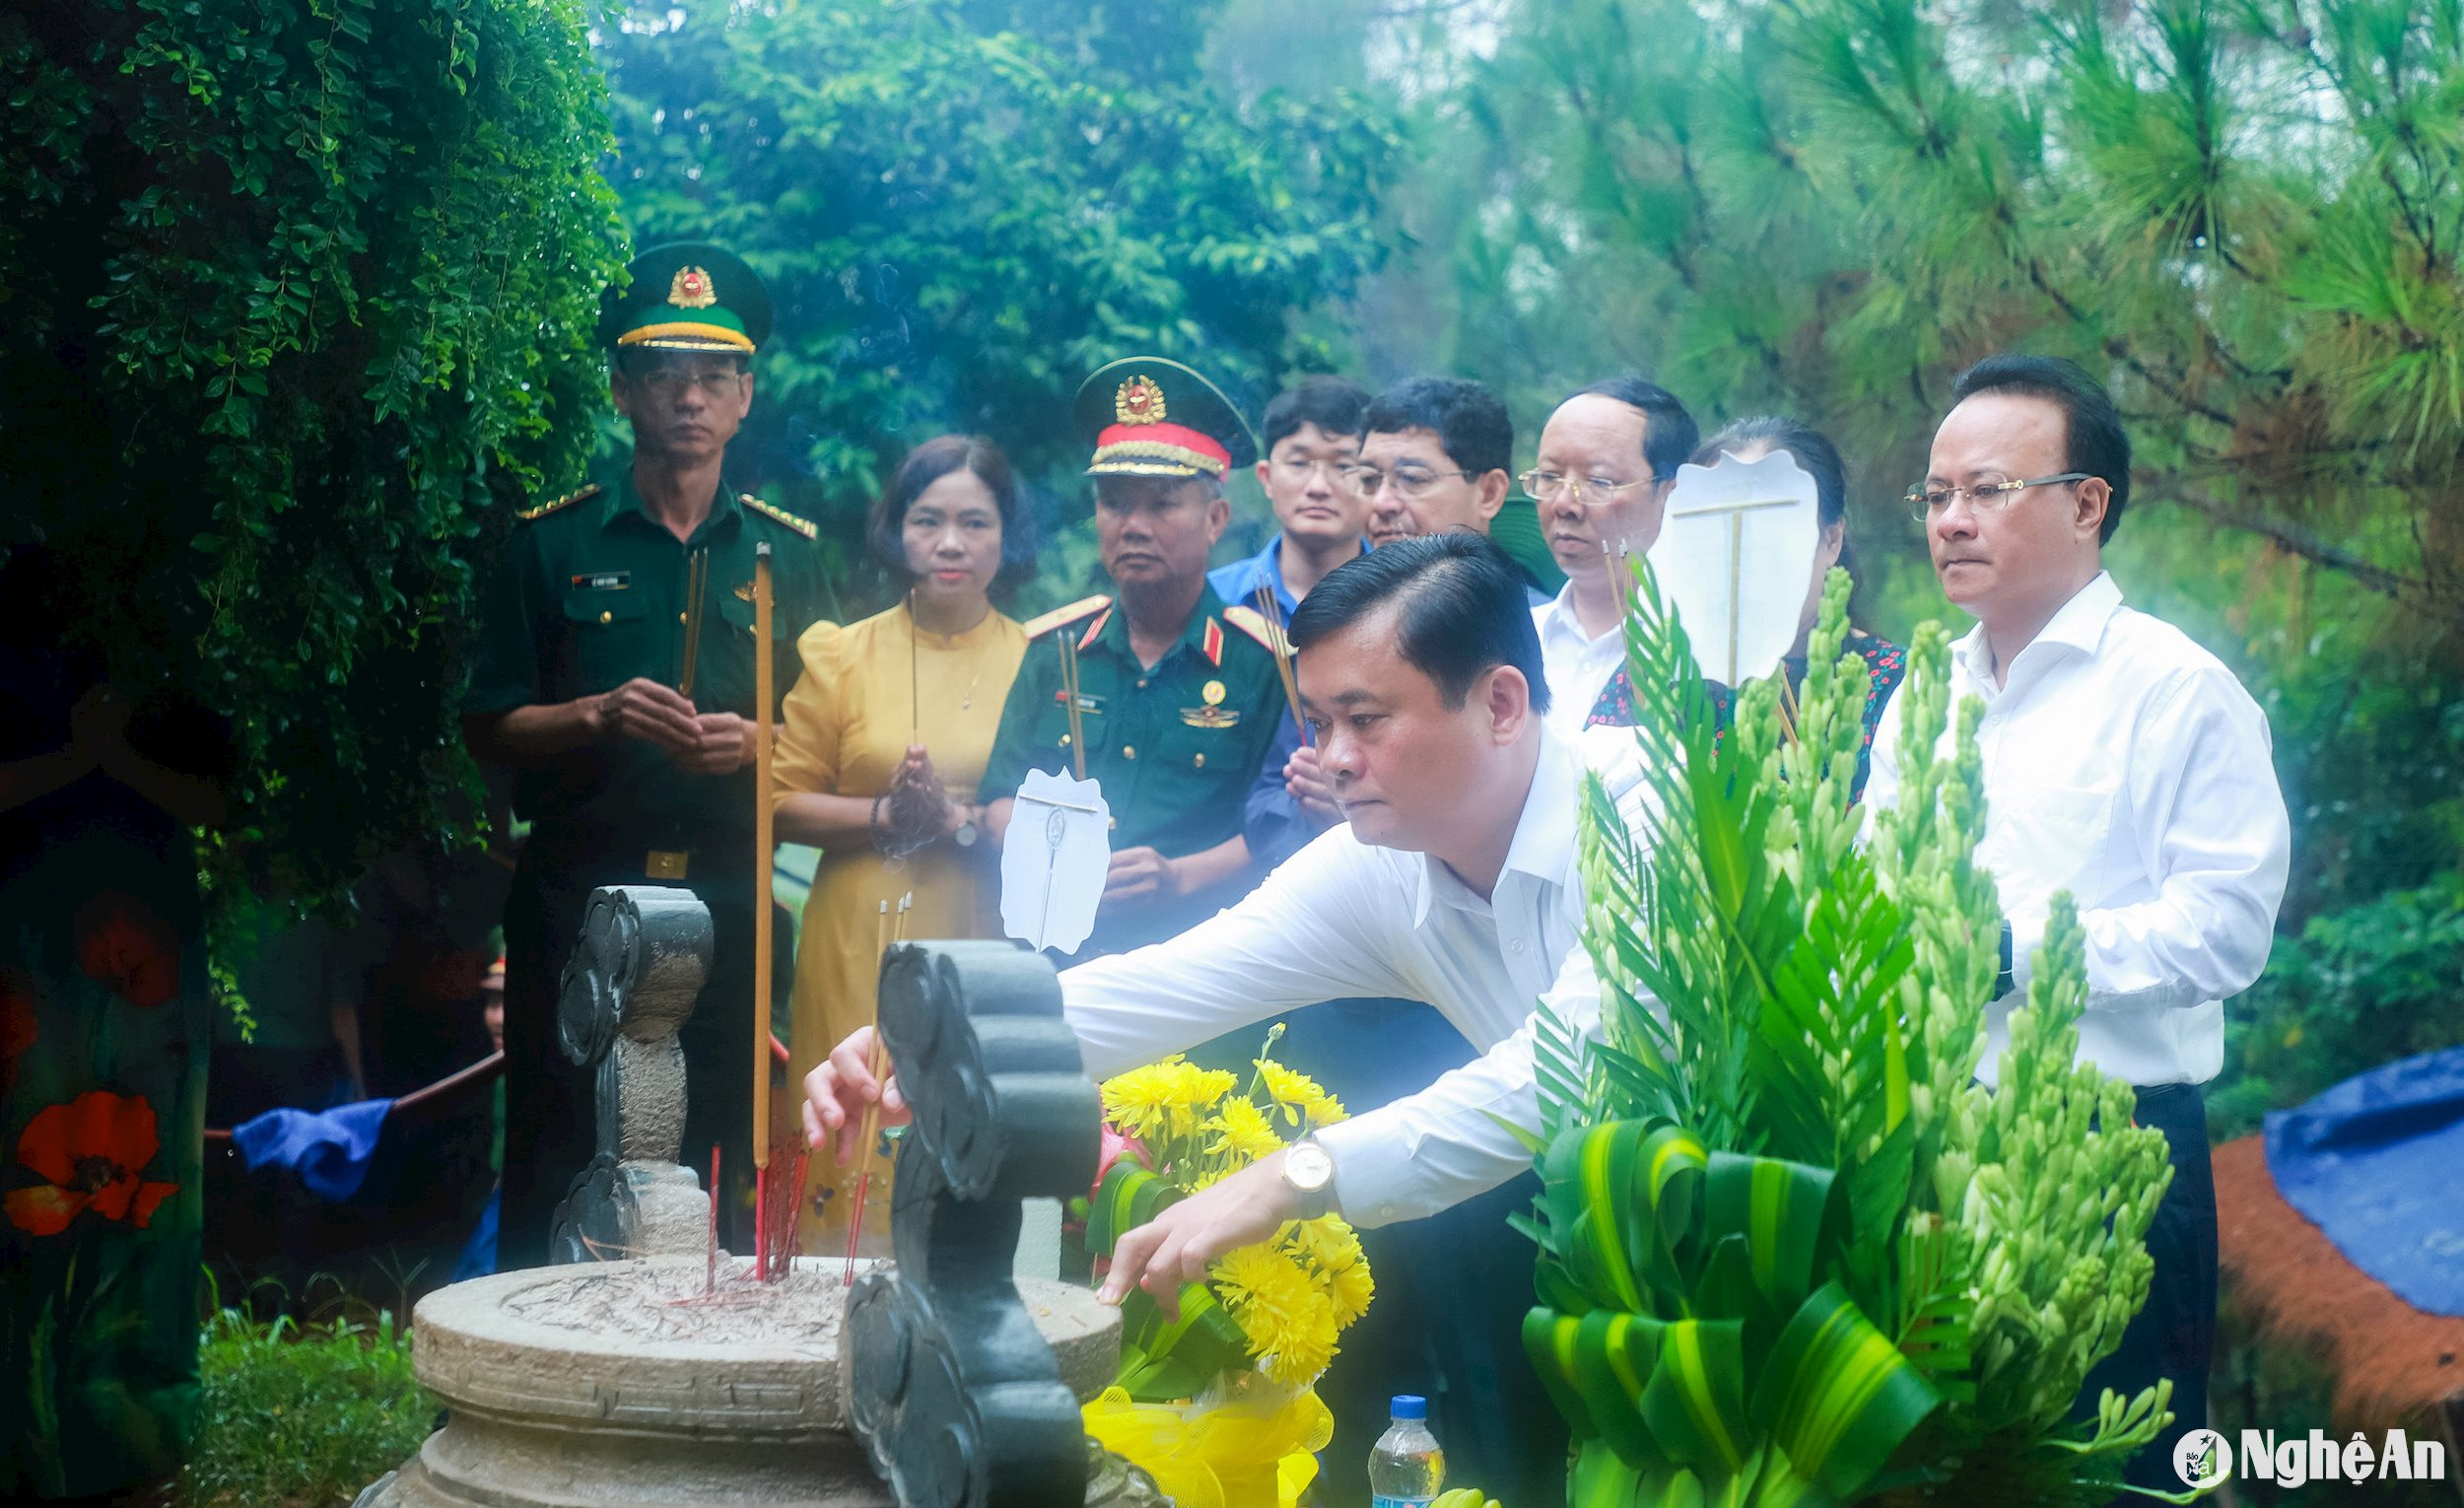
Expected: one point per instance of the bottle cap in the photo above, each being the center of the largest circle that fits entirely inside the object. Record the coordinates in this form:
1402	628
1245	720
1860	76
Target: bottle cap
1410	1406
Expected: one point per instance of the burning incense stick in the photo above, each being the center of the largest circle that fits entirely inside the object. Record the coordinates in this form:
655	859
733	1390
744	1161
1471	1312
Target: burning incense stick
763	671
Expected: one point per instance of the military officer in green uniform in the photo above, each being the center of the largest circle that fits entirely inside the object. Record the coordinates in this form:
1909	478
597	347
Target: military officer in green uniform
1178	694
615	674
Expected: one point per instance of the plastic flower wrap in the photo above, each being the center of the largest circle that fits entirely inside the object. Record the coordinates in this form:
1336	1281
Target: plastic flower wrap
1216	1403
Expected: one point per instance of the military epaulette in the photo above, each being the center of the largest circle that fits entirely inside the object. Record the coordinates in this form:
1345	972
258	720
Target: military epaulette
1084	607
1251	622
566	501
803	526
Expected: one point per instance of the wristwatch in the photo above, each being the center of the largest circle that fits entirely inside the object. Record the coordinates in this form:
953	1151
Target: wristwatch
966	833
1309	1172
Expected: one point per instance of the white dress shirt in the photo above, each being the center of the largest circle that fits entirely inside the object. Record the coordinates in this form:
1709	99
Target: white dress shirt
1343	919
1578	666
2126	764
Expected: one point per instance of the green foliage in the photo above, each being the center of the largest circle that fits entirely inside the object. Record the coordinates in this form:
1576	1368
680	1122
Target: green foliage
300	295
302	1417
2357	988
2248	212
964	208
1788	1246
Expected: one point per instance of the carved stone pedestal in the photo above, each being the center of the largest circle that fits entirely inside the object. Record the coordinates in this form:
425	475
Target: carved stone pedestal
617	1385
646	1382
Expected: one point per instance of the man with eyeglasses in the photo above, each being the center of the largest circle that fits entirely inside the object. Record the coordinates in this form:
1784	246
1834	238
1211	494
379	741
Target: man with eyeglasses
1312	434
1608	457
2125	765
615	676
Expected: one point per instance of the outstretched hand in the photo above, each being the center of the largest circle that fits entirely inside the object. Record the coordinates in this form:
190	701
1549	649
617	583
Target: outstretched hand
837	1092
1183	1239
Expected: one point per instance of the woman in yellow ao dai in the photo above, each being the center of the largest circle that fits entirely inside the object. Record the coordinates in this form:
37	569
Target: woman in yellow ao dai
885	736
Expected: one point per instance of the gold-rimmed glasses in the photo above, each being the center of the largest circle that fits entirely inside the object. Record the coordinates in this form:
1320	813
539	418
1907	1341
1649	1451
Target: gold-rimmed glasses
1927	504
1548	486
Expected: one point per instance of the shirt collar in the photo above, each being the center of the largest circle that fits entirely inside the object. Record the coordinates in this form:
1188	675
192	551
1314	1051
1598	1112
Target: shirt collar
2078	625
1557	618
1267	565
1209	609
1542	845
624	500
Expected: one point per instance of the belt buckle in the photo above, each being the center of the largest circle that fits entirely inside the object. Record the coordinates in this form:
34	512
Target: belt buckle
664	864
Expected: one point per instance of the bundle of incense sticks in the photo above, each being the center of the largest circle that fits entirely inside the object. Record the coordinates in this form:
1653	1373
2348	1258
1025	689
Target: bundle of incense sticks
869	1130
1270	608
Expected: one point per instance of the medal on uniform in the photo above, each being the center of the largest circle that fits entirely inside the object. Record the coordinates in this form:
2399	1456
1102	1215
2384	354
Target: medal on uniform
1215	713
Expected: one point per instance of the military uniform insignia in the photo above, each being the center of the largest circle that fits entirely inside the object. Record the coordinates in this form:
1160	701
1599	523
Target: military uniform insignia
1095	628
691	289
1251	622
1138	401
1212	717
604	580
1213	643
803	526
1043	623
1088	702
1212	693
566	501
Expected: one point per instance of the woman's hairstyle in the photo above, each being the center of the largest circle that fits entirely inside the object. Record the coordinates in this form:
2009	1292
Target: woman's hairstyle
927	464
1810	448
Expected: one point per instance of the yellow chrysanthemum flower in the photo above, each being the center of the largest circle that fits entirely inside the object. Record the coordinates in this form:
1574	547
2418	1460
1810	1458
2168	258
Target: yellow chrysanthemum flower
1348	1290
1243	1133
1139	1101
1288	1323
1299	1096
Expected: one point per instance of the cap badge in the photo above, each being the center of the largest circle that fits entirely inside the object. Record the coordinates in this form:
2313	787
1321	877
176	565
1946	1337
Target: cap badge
1140	402
691	289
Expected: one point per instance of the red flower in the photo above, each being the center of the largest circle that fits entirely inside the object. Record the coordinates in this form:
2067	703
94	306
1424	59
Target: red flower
124	947
92	1150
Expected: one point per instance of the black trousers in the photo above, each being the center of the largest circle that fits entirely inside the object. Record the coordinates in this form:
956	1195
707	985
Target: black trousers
2174	1334
550	1127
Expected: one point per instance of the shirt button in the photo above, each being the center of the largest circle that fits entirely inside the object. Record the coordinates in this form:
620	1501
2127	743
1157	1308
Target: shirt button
1065	740
1201	761
679	617
1141	685
1129	751
607	617
1517	944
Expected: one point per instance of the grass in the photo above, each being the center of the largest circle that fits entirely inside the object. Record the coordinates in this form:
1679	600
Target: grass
302	1417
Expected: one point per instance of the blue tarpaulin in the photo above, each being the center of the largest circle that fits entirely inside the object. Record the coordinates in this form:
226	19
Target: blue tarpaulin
329	1149
2377	1163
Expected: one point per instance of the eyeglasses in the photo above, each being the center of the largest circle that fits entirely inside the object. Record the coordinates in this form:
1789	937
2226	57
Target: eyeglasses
1931	502
1409	481
669	382
1296	470
1547	486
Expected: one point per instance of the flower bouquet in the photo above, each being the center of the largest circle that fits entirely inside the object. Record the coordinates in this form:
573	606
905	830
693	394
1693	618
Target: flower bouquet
1216	1405
1791	1250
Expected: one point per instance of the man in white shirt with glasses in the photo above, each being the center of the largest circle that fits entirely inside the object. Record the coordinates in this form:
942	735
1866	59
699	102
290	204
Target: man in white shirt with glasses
2124	764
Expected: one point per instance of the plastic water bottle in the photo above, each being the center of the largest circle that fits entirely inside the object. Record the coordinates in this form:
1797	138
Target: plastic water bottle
1407	1470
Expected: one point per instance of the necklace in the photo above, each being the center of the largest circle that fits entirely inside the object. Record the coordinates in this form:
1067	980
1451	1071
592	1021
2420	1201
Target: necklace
966	699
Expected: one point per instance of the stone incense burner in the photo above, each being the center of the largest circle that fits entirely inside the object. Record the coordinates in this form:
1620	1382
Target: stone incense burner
663	1380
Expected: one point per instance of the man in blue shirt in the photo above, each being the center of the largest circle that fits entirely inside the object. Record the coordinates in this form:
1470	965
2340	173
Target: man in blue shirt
1313	433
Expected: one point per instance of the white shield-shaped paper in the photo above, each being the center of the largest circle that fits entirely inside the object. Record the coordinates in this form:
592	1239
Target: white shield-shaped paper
1735	559
1053	861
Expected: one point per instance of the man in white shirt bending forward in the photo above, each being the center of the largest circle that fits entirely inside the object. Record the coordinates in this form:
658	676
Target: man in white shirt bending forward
2125	765
1453	881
